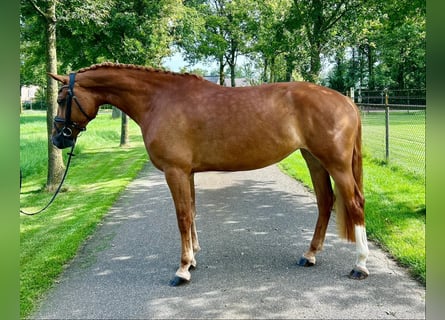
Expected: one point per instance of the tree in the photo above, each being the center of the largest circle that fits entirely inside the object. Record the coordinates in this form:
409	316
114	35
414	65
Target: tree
272	41
219	30
337	79
124	130
47	13
321	26
137	32
401	43
387	49
50	16
92	31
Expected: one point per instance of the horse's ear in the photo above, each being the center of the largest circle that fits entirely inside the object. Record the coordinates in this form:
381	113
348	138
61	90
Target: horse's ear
63	79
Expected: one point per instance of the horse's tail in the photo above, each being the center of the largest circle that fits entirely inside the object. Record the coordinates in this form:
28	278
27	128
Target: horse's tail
346	220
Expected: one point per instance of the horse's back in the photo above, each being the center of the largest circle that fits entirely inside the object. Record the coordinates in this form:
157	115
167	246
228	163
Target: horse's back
219	128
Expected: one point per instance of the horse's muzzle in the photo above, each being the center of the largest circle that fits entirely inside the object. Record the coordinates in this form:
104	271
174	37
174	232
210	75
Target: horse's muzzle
61	141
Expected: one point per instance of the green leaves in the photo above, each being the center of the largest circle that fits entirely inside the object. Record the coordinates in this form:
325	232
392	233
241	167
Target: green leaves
218	30
90	31
285	39
389	47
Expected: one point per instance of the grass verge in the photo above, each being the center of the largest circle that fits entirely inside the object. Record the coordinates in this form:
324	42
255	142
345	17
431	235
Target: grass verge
395	209
98	174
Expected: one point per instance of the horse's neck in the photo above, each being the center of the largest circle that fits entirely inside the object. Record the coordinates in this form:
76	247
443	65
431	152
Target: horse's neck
130	91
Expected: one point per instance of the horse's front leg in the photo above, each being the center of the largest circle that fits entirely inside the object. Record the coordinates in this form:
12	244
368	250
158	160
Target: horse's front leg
195	242
179	184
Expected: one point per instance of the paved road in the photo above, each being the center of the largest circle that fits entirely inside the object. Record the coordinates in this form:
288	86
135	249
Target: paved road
252	227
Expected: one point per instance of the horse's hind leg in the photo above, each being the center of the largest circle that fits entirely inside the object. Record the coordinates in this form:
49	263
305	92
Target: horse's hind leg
351	218
179	184
325	199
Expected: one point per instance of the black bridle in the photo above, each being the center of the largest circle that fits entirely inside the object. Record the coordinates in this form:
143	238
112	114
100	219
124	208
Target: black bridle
68	124
65	133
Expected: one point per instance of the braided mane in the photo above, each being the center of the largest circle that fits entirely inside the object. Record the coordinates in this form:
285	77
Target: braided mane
134	67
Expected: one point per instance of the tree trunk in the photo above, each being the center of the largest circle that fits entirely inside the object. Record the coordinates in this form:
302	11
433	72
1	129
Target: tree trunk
401	70
289	68
21	104
115	113
221	71
232	62
272	70
232	75
55	160
360	63
371	82
264	75
315	64
124	130
316	25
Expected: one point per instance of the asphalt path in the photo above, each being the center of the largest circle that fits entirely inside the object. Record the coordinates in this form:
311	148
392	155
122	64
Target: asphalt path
253	227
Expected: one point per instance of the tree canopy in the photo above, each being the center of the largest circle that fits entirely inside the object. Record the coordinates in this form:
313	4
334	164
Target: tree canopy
388	49
92	31
340	43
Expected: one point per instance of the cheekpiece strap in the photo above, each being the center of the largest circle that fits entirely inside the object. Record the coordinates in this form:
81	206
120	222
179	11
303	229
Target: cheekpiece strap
70	97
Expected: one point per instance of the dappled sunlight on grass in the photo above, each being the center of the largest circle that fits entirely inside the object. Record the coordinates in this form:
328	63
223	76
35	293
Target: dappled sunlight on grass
30	228
103	185
64	215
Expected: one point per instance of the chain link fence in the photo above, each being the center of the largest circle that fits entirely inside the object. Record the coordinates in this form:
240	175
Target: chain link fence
393	124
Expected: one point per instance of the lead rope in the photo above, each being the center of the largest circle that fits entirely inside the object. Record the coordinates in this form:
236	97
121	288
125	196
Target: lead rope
70	154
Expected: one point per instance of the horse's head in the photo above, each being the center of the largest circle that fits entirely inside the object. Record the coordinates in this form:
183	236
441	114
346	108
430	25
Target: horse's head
76	109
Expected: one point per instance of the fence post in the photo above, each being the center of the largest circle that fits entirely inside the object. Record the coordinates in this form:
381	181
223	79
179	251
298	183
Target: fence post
386	126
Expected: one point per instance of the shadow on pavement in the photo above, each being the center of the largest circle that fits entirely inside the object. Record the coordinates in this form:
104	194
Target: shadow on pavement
252	228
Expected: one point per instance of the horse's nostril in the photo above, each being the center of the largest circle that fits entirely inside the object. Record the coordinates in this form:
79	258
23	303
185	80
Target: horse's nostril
67	132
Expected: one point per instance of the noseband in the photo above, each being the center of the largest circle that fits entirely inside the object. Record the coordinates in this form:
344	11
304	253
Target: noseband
68	125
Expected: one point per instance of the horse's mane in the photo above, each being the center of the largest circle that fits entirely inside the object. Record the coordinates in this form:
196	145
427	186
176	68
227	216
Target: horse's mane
134	67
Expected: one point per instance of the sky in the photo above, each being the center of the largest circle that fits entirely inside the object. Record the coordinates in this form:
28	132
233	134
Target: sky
176	62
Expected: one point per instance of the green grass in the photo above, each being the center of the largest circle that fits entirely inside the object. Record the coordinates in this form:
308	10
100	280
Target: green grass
395	209
406	138
99	172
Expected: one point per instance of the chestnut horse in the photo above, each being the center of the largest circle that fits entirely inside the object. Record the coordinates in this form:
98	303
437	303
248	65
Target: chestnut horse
191	125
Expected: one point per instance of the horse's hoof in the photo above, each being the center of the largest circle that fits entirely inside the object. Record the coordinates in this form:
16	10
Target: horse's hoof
357	275
177	281
304	262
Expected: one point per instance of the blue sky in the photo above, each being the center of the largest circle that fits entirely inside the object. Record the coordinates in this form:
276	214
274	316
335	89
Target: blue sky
176	62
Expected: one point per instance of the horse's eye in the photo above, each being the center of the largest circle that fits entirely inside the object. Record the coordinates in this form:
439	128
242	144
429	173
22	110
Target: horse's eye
60	101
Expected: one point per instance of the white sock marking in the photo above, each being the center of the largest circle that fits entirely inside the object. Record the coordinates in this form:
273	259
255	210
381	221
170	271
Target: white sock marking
361	243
